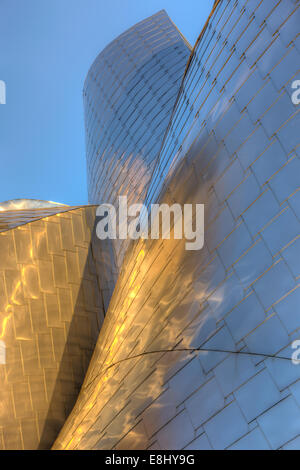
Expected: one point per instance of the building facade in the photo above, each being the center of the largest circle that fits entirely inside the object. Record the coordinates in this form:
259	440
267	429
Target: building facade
195	350
143	344
129	95
51	313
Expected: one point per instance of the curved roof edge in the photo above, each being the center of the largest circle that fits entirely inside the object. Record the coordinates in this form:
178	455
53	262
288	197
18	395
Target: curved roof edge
24	204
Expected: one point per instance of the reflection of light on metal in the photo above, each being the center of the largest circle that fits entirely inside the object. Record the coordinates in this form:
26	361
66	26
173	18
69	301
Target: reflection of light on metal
27	276
15	292
38	238
132	278
25	271
4	325
5	320
141	255
133	293
9	306
69	444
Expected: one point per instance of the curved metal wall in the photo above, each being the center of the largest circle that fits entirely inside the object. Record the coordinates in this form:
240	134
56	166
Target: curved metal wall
233	144
129	94
50	316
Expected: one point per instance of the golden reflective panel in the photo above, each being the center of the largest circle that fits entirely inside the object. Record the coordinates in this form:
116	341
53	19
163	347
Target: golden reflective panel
50	316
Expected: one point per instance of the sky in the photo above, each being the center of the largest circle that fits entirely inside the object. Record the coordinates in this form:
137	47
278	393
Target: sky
46	49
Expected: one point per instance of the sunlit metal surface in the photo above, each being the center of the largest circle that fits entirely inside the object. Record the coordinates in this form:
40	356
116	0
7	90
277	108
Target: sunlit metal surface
51	312
233	144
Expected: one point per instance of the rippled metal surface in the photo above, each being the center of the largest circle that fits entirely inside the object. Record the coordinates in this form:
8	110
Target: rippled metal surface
50	316
233	144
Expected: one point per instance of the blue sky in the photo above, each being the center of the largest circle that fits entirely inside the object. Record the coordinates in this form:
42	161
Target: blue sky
46	49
